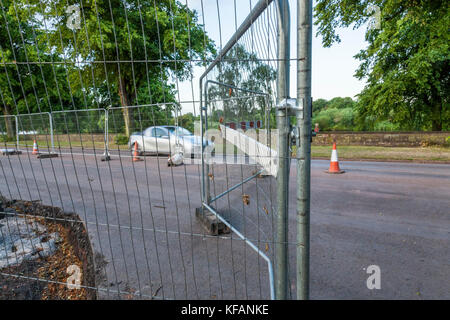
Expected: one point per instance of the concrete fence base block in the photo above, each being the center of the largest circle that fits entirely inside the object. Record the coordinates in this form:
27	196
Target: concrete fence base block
10	152
47	155
210	222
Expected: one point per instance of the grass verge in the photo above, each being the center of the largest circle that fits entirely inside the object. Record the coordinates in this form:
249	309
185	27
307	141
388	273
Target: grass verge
417	154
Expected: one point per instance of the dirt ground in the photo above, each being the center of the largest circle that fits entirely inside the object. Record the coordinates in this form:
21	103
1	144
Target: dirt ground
14	288
45	278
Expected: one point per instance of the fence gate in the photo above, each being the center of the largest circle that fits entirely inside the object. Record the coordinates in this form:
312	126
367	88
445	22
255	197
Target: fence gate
166	130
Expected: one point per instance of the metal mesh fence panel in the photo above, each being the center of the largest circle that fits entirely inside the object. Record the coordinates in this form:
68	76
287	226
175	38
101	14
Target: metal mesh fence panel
126	178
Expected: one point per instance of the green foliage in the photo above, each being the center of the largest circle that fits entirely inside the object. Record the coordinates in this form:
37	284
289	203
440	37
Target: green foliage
28	88
319	104
336	114
406	64
153	42
4	138
385	125
87	122
141	118
134	30
187	121
241	69
121	140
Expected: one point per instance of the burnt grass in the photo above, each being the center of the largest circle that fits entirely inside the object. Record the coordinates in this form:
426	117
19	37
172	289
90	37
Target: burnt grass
45	277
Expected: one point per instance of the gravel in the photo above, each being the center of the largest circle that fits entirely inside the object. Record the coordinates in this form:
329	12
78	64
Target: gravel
23	239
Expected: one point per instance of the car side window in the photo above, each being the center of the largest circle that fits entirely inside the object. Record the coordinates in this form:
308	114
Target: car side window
158	132
148	132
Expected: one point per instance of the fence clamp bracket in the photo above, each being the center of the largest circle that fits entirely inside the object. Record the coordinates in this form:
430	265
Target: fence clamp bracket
292	107
294	135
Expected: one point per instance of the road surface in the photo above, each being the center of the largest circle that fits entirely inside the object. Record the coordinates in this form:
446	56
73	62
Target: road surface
140	218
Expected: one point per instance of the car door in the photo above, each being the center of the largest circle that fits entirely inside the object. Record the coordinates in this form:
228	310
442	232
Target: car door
149	143
159	142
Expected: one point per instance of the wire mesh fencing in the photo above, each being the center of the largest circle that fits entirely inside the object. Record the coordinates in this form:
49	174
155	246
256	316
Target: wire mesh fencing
140	150
35	126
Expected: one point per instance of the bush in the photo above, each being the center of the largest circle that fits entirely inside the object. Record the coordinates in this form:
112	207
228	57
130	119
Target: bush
121	140
447	141
385	125
335	119
4	138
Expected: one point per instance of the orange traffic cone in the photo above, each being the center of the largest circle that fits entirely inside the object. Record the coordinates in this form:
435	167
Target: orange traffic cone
136	153
35	148
334	164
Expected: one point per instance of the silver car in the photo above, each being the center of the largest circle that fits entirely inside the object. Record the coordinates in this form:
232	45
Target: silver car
167	140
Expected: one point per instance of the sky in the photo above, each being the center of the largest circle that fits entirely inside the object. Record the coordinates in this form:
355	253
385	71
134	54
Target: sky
332	68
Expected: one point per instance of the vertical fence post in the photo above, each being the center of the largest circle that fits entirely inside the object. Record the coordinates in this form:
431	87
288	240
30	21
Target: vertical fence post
207	184
50	118
283	126
203	129
304	54
106	133
17	132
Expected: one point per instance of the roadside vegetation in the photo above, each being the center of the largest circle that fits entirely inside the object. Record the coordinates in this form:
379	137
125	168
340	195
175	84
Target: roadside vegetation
337	114
405	65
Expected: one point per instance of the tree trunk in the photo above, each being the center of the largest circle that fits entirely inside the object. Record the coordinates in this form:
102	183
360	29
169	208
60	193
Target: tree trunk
125	101
9	123
436	116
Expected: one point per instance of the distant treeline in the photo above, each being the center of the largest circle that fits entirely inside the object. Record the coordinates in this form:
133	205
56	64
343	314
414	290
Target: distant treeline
346	114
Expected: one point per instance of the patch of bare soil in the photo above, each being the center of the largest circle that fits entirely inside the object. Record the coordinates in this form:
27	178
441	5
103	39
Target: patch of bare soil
15	288
46	277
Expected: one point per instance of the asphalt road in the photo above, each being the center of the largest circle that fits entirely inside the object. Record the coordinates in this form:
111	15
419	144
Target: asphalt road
141	221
